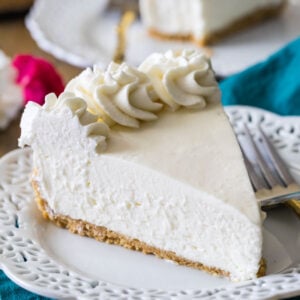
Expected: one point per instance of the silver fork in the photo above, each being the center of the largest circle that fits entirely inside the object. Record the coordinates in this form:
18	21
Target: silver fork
269	175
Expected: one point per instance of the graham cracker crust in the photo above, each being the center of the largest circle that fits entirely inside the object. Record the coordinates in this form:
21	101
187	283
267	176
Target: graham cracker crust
254	18
102	234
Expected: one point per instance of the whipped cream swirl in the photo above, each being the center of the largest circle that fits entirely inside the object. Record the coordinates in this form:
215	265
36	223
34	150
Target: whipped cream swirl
84	86
182	78
11	98
121	94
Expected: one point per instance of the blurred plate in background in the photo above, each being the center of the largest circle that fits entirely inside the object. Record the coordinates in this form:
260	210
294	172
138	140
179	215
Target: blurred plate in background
82	33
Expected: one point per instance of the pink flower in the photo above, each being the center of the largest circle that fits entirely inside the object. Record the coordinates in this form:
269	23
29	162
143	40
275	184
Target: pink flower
37	77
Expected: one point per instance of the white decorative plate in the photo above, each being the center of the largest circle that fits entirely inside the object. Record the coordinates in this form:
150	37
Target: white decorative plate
53	262
83	33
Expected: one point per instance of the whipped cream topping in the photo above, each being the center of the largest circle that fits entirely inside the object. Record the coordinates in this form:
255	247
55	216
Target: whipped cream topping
182	78
67	104
125	95
11	99
121	94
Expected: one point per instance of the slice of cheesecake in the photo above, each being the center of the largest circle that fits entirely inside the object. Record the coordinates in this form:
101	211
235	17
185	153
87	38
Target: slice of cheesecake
204	21
176	186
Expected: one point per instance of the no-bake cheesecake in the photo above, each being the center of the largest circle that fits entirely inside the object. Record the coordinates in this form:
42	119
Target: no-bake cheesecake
204	21
147	159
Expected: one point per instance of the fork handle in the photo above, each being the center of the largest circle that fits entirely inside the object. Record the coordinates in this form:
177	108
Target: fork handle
293	197
295	205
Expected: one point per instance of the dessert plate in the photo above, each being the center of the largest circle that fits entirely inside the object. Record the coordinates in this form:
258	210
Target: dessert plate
55	263
84	34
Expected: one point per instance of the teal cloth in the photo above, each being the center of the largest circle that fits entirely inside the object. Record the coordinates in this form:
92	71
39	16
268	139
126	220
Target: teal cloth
273	84
11	291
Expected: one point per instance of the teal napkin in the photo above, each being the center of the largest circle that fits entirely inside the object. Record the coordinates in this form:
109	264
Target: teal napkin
273	84
11	291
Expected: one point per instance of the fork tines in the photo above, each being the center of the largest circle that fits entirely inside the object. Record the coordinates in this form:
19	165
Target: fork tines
266	168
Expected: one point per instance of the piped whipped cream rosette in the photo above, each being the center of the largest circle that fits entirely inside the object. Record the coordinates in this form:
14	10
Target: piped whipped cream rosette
182	78
11	99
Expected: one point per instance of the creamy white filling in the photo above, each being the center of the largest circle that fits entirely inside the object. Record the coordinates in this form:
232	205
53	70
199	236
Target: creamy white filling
196	17
180	177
